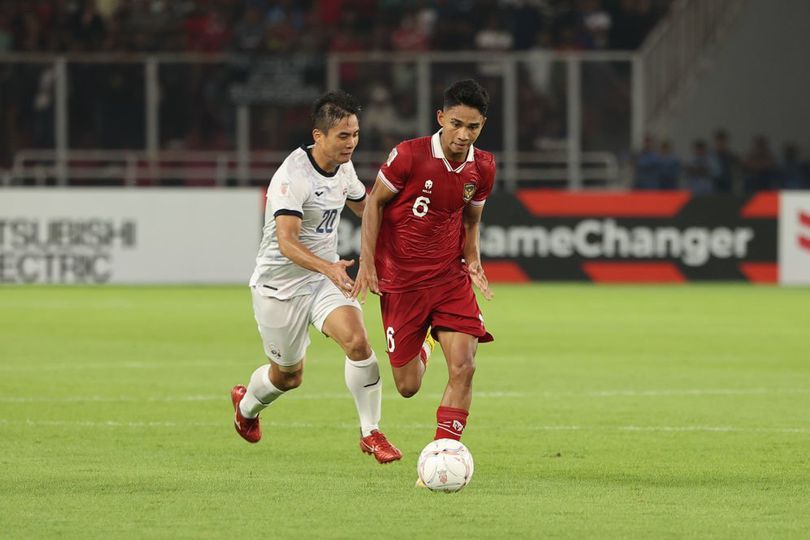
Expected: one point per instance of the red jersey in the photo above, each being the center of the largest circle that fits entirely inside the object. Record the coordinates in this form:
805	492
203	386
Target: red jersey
421	238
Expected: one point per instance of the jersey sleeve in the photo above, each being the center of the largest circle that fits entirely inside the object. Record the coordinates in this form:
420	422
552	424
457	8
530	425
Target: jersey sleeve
487	182
395	171
356	190
285	196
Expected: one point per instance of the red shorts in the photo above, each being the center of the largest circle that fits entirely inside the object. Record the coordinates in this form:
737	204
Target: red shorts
406	317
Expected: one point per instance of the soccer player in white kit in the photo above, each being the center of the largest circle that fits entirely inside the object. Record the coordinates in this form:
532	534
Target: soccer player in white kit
300	280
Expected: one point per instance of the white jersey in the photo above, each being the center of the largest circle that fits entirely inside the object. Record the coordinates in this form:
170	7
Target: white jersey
301	188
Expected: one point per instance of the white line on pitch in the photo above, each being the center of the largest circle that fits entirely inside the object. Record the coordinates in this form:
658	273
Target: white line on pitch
112	366
392	395
336	425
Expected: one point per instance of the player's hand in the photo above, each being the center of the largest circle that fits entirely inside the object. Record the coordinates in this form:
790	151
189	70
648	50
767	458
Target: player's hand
366	281
476	272
336	272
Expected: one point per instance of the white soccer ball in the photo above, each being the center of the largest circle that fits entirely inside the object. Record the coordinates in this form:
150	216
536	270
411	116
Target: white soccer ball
445	465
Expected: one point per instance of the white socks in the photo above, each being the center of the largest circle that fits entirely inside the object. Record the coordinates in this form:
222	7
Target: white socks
363	381
260	393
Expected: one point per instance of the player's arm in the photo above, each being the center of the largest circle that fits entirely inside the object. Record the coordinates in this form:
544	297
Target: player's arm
357	206
472	252
288	231
372	219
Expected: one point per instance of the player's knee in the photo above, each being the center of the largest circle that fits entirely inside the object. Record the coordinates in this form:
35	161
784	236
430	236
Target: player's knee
463	371
407	389
357	347
289	381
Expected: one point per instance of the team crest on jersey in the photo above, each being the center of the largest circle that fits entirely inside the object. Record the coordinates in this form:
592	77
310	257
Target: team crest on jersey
428	186
469	191
275	352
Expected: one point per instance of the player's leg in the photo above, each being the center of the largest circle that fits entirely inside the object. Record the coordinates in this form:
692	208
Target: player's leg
459	327
405	319
459	351
283	328
342	320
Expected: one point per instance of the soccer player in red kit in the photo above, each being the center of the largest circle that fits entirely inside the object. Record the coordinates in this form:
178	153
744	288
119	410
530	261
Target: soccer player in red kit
420	250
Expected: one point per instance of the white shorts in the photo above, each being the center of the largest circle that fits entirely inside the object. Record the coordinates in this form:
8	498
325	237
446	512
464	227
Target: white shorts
284	324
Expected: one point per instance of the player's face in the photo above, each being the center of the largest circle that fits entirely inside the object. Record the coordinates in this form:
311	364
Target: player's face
337	145
461	126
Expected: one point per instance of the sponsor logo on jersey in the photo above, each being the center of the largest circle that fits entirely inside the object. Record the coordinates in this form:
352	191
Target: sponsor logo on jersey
469	191
318	193
391	157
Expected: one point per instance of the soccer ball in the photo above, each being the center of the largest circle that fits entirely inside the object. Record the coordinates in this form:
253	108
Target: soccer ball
445	465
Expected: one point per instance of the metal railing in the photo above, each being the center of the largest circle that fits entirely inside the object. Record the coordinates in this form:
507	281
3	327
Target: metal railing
675	52
568	160
505	68
129	168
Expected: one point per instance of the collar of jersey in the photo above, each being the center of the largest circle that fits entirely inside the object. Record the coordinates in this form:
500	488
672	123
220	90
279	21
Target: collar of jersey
308	150
438	153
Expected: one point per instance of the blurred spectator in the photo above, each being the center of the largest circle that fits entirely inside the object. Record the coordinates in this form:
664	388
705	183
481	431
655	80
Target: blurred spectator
596	22
409	36
700	169
249	31
569	40
206	31
669	174
494	36
346	39
6	36
87	27
42	135
794	175
457	26
631	22
247	25
648	166
379	117
760	166
527	20
726	180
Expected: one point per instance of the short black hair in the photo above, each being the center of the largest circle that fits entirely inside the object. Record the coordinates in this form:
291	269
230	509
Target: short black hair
331	108
467	92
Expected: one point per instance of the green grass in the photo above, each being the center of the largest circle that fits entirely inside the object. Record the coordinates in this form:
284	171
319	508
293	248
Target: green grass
600	412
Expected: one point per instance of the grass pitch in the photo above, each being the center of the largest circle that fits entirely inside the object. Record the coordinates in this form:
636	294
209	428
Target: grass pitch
599	412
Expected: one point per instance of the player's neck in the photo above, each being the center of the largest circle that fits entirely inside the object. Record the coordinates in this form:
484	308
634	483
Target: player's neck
322	161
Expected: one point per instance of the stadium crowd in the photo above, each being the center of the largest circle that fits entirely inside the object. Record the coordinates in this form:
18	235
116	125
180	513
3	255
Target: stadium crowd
718	169
280	26
196	100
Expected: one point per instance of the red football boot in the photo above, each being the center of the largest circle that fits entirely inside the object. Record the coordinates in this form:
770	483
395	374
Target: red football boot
377	445
247	428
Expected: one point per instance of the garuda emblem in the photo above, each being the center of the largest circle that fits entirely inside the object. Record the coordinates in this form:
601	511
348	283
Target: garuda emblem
469	191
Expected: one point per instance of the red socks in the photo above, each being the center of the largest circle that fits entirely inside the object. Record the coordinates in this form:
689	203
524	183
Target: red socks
450	423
